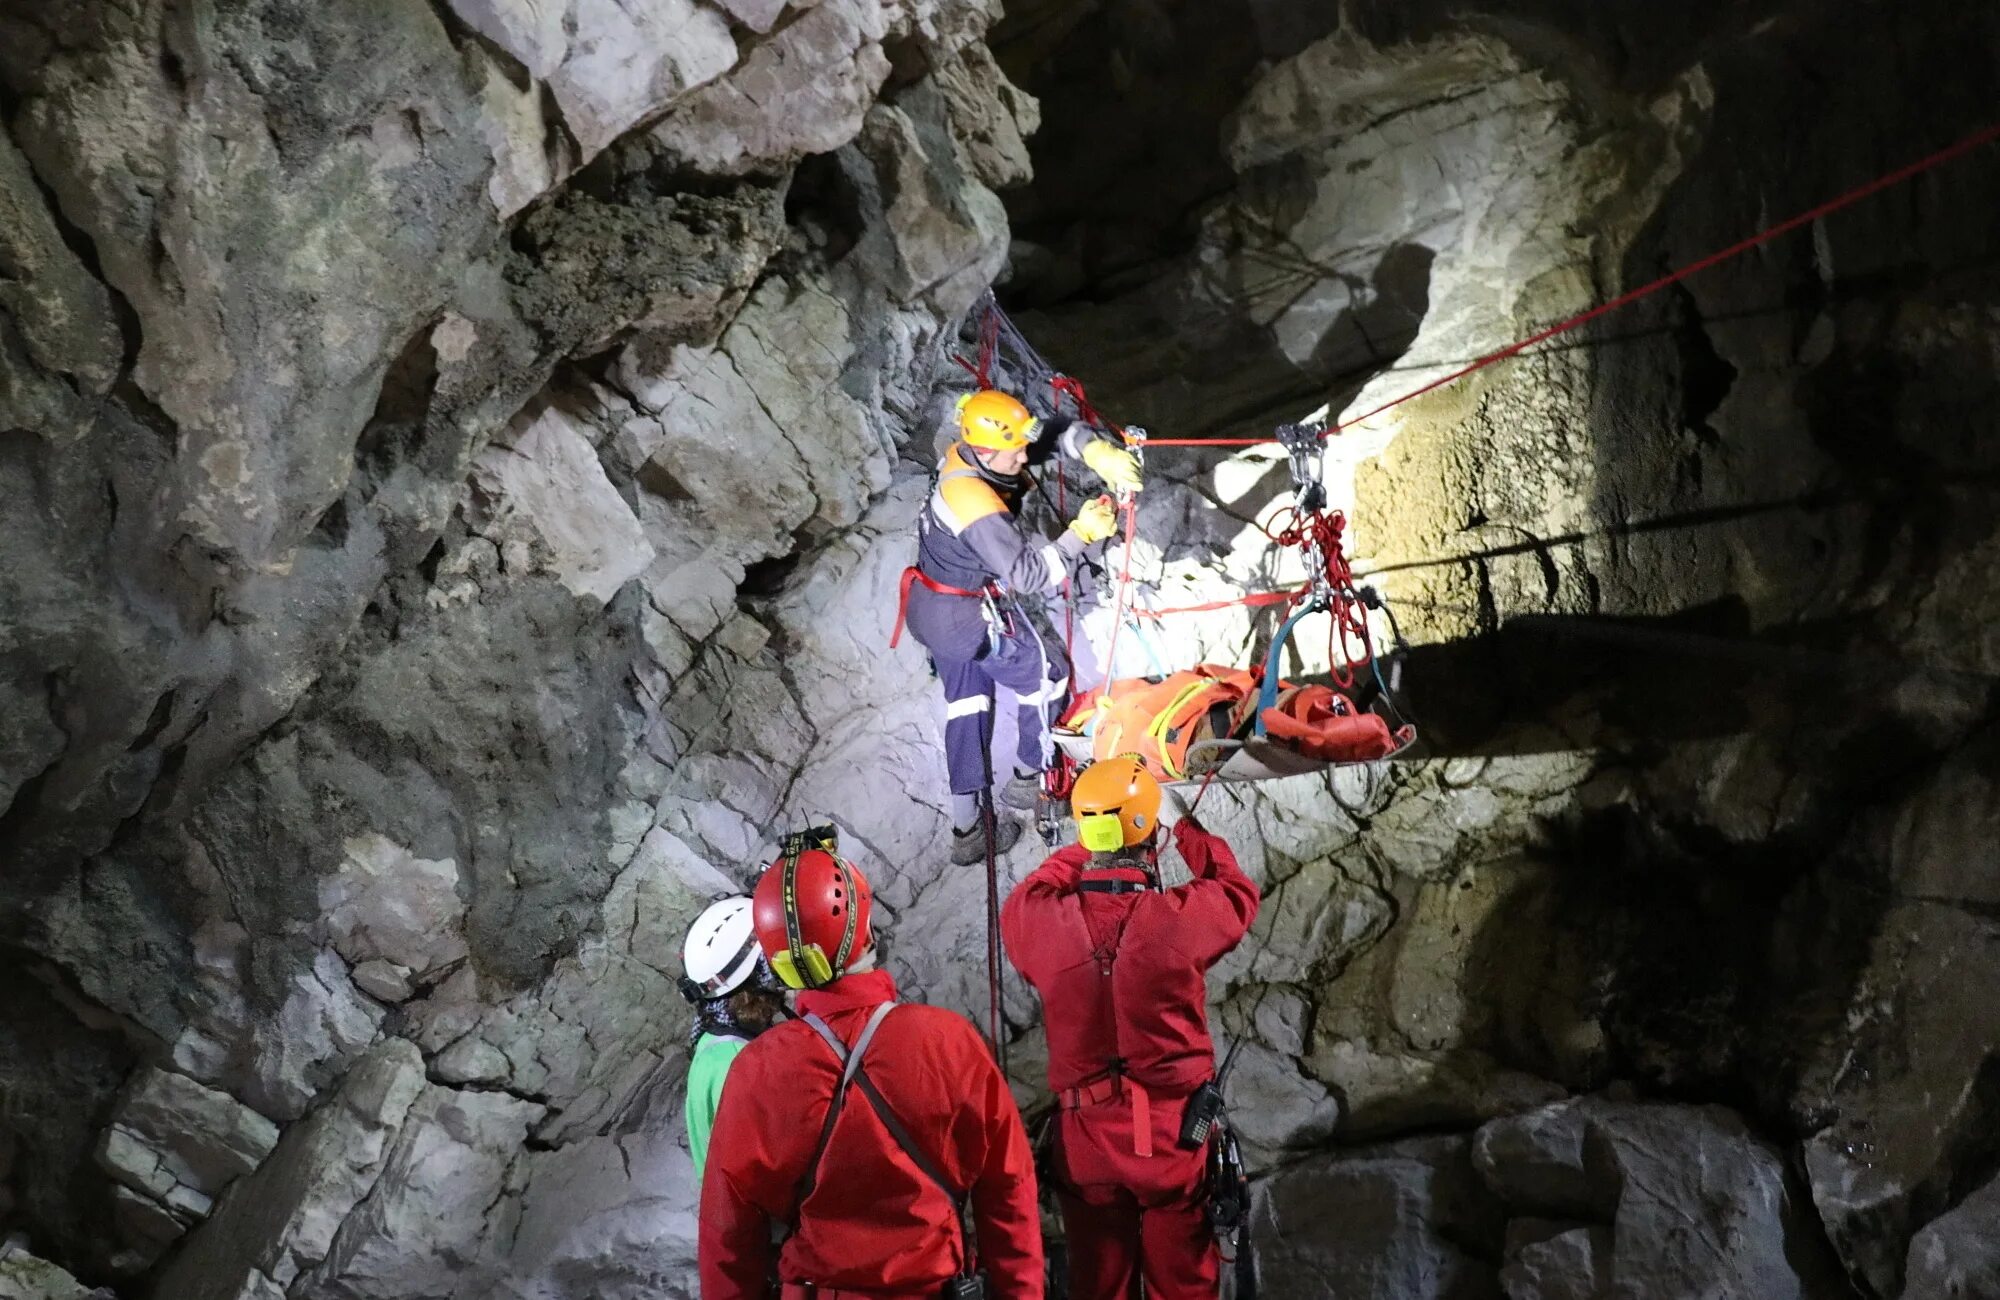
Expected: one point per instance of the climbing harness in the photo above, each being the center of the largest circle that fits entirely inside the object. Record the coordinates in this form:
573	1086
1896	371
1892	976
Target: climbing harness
966	1283
913	575
1114	1084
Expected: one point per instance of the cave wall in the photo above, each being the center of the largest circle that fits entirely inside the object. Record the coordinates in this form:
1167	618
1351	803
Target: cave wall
1691	589
397	399
456	462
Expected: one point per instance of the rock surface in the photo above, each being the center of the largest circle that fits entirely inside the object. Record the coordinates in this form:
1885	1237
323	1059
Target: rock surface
455	464
24	1277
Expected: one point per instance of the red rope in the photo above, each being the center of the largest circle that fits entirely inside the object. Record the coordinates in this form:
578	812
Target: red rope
1208	442
989	341
1253	600
1349	627
1196	801
1949	153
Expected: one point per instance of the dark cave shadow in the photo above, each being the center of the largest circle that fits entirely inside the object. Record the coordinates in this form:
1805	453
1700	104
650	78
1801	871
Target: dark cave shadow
1541	683
1693	963
1731	512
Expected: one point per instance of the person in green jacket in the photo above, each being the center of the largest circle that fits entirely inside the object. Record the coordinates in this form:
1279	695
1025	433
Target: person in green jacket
735	998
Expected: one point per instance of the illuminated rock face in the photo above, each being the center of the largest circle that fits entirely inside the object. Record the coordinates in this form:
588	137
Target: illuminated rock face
1692	591
455	465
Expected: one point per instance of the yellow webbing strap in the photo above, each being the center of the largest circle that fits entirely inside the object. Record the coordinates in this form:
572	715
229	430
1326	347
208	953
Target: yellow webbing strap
1157	729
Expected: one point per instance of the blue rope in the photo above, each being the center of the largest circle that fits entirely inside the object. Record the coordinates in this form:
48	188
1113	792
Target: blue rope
1267	694
1146	644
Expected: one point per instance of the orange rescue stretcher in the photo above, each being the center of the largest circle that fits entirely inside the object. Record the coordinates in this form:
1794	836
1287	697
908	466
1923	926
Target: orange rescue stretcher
1204	721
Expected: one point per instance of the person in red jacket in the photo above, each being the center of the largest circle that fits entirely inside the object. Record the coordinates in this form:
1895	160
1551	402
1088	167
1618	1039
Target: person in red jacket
1121	965
885	1172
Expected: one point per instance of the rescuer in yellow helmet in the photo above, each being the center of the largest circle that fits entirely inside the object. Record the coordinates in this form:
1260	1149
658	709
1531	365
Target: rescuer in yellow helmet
1121	965
973	558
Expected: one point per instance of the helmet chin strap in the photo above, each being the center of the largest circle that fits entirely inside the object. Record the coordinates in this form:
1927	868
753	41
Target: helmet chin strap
978	455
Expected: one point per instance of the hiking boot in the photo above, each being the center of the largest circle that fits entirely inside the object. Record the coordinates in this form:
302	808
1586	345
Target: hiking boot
1023	792
968	847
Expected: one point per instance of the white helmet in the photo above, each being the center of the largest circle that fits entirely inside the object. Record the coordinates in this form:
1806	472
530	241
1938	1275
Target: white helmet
721	950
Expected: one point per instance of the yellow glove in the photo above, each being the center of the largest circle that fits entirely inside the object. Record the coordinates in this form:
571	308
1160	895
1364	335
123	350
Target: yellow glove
1096	521
1118	467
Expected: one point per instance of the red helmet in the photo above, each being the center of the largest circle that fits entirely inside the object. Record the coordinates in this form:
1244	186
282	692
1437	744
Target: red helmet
811	910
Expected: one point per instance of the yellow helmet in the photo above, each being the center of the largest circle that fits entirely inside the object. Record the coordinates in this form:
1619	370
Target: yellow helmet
1116	802
992	420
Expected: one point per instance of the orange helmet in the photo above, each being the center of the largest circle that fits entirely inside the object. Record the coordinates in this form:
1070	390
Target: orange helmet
1117	804
992	420
811	911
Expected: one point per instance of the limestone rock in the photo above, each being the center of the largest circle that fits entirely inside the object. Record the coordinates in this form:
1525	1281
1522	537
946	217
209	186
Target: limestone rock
1957	1255
147	1227
590	267
322	1027
425	1225
284	1218
532	31
757	15
61	338
386	904
526	163
929	226
174	1145
541	480
305	187
627	61
1274	1105
803	91
1536	1161
619	1211
1406	1221
1548	1261
384	980
991	117
1910	1087
24	1277
1696	1205
736	443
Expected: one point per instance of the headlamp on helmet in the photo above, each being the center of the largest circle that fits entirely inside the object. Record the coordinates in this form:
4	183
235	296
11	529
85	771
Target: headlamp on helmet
812	911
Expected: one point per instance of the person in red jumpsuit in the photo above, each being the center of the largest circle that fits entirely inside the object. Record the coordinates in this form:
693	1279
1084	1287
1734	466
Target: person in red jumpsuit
884	1175
1121	965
